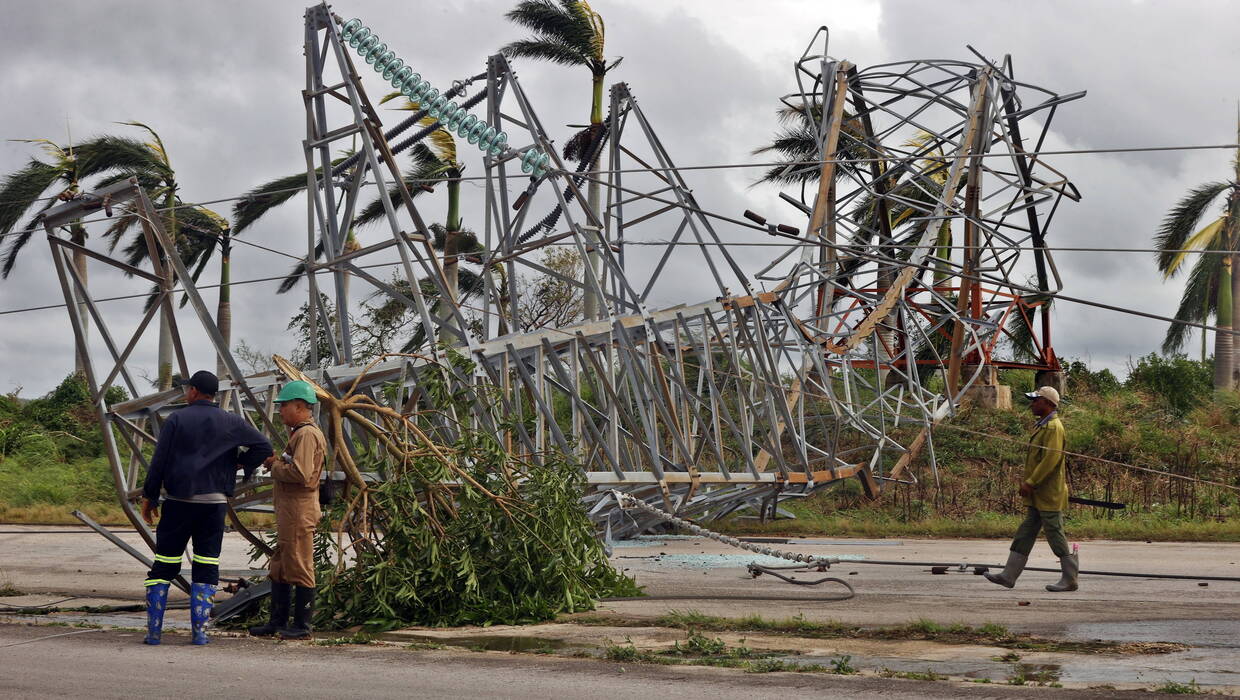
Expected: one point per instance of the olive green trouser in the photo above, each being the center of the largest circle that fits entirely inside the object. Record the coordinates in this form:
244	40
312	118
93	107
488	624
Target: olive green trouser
1051	523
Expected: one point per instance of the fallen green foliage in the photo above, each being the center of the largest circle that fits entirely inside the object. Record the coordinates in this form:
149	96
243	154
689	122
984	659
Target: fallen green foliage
481	562
461	532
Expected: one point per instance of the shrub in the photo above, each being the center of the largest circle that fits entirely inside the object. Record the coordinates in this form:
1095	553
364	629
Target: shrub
1181	383
1081	380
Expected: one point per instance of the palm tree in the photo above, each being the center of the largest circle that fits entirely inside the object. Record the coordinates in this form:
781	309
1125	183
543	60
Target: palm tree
28	189
40	184
1213	286
196	232
1210	289
570	33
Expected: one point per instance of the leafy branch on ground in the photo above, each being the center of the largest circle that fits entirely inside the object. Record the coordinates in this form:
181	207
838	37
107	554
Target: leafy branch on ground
459	531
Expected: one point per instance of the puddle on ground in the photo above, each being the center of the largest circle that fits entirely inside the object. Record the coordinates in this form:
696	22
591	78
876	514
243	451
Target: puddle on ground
1208	669
1197	633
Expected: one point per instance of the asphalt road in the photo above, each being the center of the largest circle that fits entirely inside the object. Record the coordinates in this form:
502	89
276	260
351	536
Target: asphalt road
110	663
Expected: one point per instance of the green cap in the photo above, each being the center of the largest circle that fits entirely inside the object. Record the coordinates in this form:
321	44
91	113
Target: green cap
297	390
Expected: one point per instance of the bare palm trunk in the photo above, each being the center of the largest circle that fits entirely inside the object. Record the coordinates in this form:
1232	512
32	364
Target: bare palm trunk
78	236
1233	238
1222	336
449	333
342	307
1205	317
593	304
165	352
165	325
1234	372
223	314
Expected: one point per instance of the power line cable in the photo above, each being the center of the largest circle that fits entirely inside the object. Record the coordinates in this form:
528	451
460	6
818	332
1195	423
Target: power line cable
771	164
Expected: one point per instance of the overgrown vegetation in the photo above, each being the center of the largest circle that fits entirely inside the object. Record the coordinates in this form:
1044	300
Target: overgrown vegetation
1165	417
51	455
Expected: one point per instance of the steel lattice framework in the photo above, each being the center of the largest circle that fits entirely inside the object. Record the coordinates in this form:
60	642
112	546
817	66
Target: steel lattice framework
832	358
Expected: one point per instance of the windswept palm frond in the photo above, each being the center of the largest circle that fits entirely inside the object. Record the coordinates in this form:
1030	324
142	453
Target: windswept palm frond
1198	303
298	272
426	169
1179	225
19	192
109	154
545	50
1211	237
267	196
442	145
569	33
796	144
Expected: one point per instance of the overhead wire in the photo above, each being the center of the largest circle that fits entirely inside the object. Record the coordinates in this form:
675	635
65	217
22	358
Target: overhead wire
769	164
690	363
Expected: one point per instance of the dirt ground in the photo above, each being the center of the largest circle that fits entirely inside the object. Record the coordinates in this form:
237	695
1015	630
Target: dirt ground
681	573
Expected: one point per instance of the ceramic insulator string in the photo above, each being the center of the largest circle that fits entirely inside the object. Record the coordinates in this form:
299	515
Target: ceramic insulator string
453	117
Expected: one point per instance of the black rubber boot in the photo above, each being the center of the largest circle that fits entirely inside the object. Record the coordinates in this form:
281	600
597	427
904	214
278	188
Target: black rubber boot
303	612
280	594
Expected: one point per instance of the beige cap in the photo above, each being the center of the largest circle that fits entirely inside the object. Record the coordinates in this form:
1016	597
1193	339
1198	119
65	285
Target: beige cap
1045	392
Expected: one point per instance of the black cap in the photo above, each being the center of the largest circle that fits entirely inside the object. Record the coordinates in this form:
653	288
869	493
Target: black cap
203	381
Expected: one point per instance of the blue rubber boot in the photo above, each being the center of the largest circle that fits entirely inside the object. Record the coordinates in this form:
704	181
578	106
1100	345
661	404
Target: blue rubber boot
156	602
201	598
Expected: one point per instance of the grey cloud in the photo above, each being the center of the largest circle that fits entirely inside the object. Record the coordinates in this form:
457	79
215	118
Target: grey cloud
221	83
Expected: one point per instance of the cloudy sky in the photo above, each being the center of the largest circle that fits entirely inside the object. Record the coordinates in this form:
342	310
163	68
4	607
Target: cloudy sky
220	81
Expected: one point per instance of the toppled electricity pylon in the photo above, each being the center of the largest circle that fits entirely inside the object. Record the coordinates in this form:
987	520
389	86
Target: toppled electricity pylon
924	212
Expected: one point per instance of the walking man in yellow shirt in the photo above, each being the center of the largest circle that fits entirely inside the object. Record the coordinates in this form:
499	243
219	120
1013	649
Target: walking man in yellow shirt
1045	492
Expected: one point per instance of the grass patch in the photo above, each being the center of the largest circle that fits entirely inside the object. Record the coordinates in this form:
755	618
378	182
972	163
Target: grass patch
1080	525
987	634
699	645
358	638
625	652
926	675
843	666
700	650
7	589
1174	688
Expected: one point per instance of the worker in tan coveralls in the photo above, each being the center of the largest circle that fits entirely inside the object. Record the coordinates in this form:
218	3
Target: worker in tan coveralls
1045	493
296	475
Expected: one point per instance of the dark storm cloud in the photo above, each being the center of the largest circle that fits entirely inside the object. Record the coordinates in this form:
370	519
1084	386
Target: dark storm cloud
221	82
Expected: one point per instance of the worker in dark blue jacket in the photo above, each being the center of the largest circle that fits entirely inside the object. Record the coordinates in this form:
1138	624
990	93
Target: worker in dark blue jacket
194	468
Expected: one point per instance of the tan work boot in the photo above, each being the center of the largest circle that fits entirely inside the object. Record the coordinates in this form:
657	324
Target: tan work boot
1011	572
1071	566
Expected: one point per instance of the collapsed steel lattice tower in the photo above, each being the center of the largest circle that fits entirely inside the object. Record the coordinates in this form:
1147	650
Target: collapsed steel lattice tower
834	357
